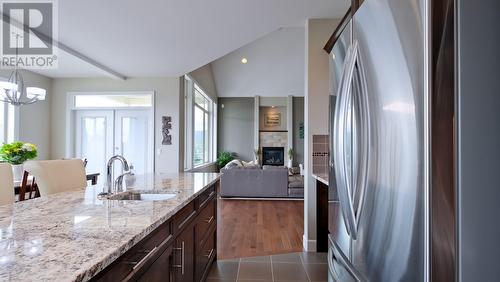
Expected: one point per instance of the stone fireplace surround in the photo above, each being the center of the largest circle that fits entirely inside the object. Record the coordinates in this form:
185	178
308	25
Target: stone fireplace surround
274	139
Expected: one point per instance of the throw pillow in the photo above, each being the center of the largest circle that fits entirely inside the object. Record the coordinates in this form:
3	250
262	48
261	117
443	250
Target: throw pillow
233	164
252	164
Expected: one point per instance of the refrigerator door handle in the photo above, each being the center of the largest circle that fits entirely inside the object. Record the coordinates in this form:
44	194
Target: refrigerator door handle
364	161
338	138
335	255
344	184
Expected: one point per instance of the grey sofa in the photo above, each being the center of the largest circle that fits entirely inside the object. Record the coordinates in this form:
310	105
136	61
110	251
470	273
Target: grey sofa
270	182
296	186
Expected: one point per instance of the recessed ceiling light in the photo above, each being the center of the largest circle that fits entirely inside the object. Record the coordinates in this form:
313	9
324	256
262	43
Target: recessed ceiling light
244	60
333	56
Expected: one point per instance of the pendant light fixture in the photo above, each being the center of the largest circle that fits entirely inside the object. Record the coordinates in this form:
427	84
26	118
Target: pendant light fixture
13	90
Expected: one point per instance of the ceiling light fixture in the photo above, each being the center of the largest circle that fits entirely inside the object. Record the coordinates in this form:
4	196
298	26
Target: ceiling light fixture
13	90
244	60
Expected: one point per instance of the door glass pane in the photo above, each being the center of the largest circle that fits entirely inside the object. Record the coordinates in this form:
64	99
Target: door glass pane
93	144
2	122
11	123
199	136
134	142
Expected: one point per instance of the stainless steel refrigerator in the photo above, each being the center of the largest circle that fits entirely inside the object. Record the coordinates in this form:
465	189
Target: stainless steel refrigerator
413	181
377	154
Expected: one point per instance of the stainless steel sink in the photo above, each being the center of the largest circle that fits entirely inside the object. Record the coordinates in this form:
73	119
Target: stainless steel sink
143	196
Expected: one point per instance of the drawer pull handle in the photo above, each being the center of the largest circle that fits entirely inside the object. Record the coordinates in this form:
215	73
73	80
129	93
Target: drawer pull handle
210	254
146	257
181	266
210	219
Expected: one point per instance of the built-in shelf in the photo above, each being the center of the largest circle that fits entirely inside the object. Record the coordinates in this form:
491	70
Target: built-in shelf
273	130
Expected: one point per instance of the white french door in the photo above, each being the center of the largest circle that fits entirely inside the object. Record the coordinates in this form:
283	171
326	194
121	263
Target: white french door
134	138
100	134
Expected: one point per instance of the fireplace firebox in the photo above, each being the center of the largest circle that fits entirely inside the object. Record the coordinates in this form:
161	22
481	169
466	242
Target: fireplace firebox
273	156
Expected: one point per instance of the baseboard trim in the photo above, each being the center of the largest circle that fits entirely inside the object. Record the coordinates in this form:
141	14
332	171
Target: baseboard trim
308	245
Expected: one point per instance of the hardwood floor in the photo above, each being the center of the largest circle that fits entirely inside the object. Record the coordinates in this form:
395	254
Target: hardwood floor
248	228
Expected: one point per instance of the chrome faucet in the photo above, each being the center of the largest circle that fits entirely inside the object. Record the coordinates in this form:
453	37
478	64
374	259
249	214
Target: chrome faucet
113	187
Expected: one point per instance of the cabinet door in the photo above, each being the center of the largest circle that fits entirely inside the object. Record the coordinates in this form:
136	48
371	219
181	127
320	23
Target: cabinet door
184	255
205	253
160	269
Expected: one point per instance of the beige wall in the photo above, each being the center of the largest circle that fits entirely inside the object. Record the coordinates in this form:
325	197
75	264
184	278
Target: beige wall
34	119
205	79
275	66
318	31
166	104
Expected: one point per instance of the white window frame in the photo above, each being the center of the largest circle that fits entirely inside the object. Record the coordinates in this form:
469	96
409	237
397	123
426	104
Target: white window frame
190	87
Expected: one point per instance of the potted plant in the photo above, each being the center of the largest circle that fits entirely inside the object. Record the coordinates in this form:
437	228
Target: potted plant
16	153
223	158
290	157
256	154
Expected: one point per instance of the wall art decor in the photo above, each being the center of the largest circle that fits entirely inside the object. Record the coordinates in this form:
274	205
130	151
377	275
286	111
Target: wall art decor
272	119
165	130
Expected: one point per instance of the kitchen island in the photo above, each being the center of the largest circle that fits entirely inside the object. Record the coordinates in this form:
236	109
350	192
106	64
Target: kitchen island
75	236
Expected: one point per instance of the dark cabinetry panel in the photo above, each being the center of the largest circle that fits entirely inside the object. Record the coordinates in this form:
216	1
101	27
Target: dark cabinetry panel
160	269
179	250
184	255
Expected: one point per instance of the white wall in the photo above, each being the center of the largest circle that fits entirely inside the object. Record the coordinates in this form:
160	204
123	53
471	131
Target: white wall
318	31
166	104
204	78
275	67
34	119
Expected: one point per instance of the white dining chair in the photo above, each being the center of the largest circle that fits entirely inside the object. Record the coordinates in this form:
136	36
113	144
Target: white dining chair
6	184
57	175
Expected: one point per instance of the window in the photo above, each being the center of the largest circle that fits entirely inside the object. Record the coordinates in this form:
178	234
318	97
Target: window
113	100
200	119
7	123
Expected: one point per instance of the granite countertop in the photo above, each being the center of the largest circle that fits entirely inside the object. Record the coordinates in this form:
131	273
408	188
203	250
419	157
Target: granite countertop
71	236
322	177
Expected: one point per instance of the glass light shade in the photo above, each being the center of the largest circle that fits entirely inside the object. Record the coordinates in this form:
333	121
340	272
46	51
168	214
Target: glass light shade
36	93
8	86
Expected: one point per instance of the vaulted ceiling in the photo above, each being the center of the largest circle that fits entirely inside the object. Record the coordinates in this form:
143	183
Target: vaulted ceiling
171	37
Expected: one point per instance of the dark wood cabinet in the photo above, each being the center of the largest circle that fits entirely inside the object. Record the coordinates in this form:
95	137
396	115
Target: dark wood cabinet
160	269
205	254
181	249
184	255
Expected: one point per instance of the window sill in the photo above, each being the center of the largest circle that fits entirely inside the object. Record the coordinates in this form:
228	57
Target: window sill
199	167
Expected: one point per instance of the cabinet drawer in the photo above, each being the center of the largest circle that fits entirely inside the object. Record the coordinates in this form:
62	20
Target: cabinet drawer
125	264
205	254
205	219
204	197
160	269
184	216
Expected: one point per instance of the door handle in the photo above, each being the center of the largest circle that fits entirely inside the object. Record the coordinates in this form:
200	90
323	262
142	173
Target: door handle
181	266
145	258
210	253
